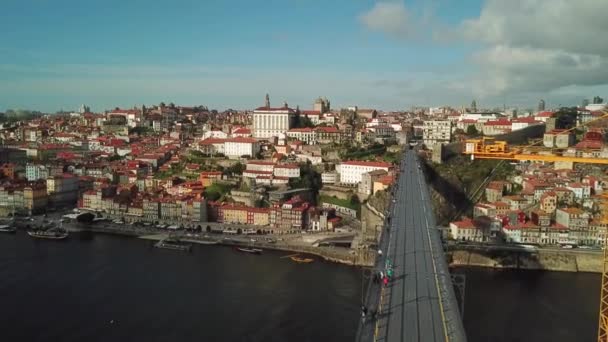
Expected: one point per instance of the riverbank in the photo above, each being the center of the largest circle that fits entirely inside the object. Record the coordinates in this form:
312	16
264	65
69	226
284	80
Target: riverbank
351	257
548	260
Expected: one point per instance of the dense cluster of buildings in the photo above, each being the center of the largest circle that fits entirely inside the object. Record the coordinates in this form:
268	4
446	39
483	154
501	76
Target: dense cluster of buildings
190	165
539	205
186	166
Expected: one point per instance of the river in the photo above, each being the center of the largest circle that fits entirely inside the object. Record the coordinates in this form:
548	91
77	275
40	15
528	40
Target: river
109	288
514	306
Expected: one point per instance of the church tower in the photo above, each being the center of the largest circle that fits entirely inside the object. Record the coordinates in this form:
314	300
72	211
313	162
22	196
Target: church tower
267	101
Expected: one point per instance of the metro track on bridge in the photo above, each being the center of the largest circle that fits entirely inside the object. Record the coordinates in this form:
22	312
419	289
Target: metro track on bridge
419	303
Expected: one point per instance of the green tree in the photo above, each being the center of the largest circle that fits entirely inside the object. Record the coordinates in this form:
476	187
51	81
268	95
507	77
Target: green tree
309	178
565	118
303	121
472	130
236	169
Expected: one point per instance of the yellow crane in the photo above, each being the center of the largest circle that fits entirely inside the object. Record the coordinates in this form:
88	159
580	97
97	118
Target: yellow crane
489	148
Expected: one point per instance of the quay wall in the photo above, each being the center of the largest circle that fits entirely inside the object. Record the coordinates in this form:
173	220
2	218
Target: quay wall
549	260
360	257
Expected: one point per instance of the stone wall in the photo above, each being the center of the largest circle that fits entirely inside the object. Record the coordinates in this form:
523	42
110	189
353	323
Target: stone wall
333	191
370	218
550	260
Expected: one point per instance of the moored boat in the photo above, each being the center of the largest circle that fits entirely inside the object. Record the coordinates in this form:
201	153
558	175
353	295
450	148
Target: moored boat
7	229
302	260
249	250
175	245
49	234
207	242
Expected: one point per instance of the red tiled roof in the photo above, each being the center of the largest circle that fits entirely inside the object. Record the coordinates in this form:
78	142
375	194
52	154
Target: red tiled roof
258	172
287	166
211	141
302	130
328	129
210	173
260	162
500	122
464	224
528	119
242	140
546	114
592	144
242	131
386	180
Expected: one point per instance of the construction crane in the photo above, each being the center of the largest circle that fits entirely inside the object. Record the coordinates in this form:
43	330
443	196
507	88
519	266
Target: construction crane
489	148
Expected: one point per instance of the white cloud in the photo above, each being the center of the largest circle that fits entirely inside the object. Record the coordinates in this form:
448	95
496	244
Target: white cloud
575	26
539	45
521	48
388	17
506	69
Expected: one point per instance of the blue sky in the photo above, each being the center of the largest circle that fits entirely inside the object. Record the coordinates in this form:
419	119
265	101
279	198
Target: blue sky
58	54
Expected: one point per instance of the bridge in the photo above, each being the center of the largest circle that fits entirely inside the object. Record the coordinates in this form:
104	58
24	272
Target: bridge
419	302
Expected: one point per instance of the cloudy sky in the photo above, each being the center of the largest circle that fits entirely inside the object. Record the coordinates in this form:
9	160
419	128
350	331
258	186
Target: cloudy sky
58	54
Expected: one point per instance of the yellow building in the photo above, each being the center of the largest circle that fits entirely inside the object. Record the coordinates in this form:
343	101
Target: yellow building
233	214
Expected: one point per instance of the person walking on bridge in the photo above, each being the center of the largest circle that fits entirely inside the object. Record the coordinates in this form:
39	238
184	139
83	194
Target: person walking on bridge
363	313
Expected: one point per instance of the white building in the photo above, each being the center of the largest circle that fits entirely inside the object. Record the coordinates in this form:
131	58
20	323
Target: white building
436	131
35	171
215	134
305	157
212	146
465	230
315	116
307	135
258	165
237	147
383	131
351	172
289	171
482	117
512	234
330	177
580	190
270	122
133	116
595	107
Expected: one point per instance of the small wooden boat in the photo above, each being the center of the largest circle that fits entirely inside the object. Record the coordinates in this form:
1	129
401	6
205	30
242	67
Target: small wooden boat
249	250
302	260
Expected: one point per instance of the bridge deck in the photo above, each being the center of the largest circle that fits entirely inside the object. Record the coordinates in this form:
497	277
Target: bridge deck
419	302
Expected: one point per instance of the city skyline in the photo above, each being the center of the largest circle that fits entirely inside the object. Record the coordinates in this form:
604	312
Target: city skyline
387	55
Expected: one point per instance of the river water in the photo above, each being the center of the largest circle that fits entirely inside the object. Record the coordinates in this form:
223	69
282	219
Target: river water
108	288
513	306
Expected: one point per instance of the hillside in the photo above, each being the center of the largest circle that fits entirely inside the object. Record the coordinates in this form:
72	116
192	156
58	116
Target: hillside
453	184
